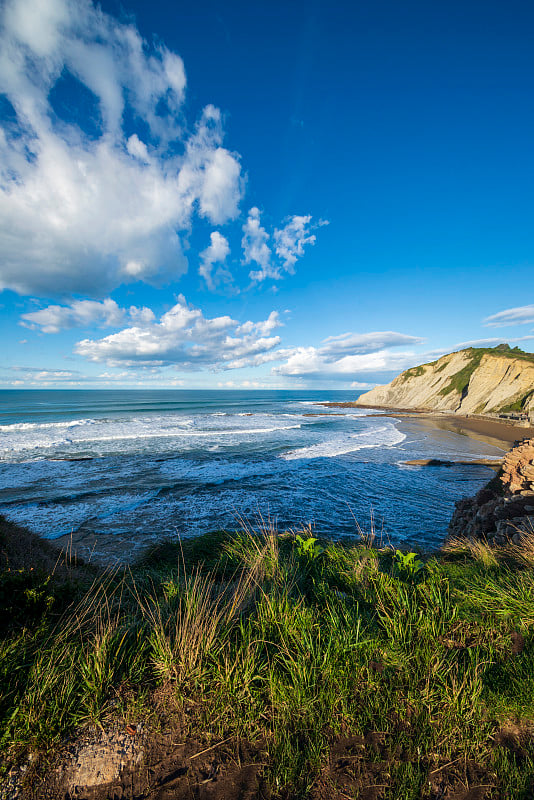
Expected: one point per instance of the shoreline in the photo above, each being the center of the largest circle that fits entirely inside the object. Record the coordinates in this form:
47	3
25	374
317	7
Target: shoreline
501	432
123	547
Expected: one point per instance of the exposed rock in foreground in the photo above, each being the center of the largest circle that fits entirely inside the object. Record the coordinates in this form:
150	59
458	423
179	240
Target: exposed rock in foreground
473	381
503	509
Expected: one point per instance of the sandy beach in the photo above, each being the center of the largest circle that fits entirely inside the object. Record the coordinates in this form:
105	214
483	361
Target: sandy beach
492	431
500	433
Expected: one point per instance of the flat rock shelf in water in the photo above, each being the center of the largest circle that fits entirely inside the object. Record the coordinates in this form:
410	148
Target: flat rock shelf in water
117	470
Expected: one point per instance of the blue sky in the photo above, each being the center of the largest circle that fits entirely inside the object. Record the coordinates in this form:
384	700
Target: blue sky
261	195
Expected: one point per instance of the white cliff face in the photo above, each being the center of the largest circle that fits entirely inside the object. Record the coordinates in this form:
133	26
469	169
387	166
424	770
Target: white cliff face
468	382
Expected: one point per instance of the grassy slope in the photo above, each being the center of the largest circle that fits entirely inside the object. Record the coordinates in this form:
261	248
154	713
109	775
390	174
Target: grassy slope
460	380
253	637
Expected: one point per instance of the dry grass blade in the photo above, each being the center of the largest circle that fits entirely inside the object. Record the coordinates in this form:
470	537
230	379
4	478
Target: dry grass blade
193	626
523	551
476	549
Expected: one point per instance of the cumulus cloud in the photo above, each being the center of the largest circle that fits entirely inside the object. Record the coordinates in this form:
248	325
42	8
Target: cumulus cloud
84	314
80	313
185	338
86	203
248	385
348	355
255	247
306	362
36	376
215	253
289	243
521	315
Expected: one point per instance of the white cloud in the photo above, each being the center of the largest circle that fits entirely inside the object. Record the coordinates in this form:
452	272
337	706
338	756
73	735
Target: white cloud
80	313
84	314
290	241
210	176
37	376
215	253
492	342
185	338
255	247
521	315
307	362
349	355
246	384
82	212
357	343
34	376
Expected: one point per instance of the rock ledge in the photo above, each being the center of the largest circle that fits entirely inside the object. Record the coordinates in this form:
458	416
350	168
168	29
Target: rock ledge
504	509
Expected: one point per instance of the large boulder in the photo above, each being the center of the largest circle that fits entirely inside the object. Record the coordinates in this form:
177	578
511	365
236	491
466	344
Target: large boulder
504	508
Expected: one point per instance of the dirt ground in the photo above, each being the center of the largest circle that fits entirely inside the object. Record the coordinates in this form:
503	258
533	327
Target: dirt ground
167	769
167	766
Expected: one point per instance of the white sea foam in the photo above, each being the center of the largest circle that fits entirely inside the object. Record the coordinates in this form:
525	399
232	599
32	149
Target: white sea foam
34	426
217	470
154	468
52	520
98	437
383	436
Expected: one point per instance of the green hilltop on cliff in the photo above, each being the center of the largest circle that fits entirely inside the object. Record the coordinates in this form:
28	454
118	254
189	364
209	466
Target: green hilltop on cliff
477	380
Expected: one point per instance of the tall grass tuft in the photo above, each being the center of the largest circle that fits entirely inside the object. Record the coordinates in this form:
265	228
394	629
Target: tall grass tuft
295	650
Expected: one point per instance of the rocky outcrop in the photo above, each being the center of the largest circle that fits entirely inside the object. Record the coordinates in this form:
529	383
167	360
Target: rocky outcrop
472	381
504	509
518	469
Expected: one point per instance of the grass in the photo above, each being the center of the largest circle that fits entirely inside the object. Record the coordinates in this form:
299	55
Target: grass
302	650
517	405
460	380
414	372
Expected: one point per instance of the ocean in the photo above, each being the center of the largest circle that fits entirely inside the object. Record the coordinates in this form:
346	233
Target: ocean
138	466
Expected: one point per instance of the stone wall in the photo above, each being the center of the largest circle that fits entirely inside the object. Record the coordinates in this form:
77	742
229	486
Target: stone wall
504	508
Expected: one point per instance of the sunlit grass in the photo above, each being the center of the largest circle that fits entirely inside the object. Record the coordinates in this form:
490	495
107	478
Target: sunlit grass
254	635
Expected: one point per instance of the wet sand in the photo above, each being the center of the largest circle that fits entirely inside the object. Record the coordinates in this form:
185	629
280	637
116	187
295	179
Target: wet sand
499	433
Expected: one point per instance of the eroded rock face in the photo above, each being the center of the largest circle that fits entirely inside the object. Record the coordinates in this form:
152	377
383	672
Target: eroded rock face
472	381
518	468
503	509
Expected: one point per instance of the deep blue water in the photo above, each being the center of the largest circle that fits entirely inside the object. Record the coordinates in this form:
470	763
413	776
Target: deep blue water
154	463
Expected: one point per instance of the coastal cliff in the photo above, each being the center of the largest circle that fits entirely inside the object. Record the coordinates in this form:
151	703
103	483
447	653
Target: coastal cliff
495	380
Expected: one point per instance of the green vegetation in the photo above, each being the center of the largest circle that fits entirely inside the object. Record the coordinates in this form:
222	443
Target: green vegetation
414	372
347	666
518	405
442	366
460	380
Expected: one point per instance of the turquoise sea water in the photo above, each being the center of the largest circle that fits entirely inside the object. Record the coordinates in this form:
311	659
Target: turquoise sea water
156	463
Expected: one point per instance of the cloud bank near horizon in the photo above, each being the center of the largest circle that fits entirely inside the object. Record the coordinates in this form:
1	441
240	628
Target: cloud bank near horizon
184	338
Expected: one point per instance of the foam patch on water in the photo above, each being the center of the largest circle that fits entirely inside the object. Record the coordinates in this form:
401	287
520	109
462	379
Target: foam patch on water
52	520
384	436
216	471
92	437
34	426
